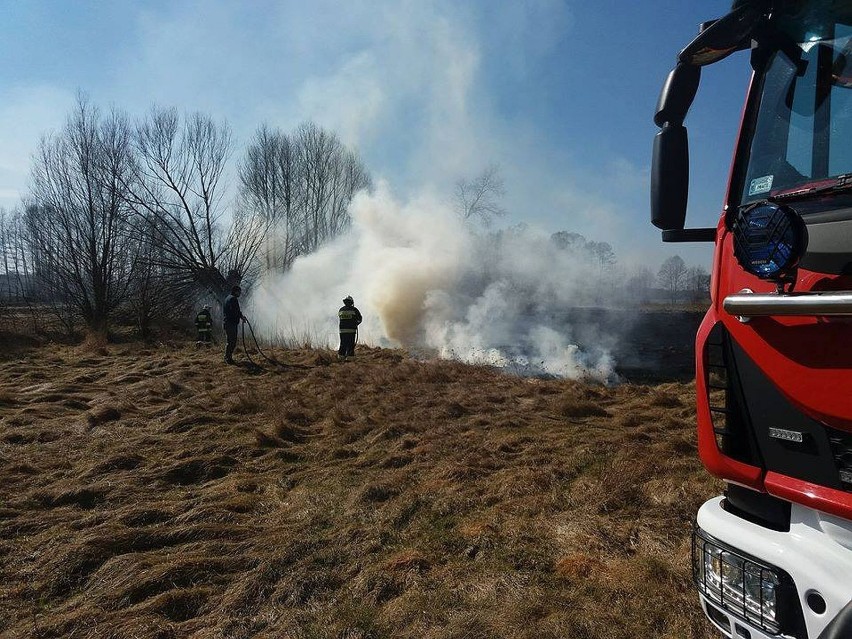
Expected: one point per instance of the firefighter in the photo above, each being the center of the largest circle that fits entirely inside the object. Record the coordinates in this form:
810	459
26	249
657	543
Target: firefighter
231	316
349	317
204	326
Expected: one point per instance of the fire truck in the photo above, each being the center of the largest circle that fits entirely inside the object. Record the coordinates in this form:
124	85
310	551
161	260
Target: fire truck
772	557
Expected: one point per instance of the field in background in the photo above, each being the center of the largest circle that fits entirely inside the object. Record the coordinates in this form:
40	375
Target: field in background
153	492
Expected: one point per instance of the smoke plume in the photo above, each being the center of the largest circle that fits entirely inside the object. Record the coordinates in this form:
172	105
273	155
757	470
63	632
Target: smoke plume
426	281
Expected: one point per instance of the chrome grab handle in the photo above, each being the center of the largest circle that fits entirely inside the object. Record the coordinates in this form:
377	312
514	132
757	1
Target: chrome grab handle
746	304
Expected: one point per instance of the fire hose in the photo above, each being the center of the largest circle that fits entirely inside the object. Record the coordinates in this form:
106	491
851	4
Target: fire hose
272	361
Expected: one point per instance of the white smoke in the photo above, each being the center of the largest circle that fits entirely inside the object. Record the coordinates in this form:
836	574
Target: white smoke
426	281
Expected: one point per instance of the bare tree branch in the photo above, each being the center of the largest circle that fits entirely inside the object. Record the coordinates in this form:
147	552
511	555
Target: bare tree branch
178	190
480	197
78	223
302	185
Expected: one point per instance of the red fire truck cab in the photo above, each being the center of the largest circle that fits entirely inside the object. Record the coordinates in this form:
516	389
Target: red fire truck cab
772	557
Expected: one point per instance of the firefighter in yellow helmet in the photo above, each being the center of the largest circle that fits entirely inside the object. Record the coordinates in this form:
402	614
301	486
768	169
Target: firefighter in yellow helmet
349	317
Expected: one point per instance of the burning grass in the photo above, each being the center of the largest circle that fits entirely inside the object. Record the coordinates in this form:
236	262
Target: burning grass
156	493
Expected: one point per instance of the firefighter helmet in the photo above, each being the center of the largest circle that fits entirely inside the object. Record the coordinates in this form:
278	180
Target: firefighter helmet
348	301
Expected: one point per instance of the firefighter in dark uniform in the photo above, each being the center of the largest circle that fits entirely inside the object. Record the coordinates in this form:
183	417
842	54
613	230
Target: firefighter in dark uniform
231	316
349	317
204	326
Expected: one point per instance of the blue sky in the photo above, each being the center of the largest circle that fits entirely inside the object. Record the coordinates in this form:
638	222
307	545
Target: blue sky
559	93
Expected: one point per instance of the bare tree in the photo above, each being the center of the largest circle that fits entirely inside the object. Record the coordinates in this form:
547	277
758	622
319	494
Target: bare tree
604	258
15	243
15	281
301	185
603	255
330	177
568	241
78	222
269	182
6	243
178	190
672	275
480	197
639	285
6	294
697	281
154	295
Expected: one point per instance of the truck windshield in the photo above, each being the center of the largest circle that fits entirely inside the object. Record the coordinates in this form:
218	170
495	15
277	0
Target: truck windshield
803	132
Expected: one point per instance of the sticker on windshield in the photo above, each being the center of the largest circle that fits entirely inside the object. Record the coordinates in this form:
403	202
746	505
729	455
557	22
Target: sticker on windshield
760	185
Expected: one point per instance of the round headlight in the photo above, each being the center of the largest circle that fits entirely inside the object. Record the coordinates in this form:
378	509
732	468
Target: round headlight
769	239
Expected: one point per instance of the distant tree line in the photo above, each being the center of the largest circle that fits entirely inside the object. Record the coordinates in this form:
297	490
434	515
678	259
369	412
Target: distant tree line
682	283
479	199
132	219
674	282
674	279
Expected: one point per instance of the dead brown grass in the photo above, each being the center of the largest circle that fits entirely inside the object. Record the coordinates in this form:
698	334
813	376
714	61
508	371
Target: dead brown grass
150	492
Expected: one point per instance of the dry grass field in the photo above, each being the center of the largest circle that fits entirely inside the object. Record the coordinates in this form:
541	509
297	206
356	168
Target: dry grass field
150	491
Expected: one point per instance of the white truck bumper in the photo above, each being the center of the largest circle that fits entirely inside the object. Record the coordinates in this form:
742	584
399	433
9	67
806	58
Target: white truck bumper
816	553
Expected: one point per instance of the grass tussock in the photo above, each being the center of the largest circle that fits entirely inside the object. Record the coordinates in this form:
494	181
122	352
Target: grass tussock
575	408
95	343
7	399
380	497
245	401
102	415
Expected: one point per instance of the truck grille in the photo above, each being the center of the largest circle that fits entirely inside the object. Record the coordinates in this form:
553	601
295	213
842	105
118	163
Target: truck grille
730	419
718	384
841	449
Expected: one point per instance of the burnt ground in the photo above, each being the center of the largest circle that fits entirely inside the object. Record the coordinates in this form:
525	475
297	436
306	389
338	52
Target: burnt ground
658	345
649	346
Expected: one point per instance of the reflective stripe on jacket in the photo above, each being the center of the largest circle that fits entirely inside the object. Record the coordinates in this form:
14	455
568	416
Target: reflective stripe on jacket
349	317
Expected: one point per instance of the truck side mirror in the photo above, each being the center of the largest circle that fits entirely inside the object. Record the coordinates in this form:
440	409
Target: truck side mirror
670	177
670	163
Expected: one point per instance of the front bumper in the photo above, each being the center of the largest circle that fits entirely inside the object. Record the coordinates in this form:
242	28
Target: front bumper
816	553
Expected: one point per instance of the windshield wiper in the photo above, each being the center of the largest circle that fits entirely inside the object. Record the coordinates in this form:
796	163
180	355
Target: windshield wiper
842	183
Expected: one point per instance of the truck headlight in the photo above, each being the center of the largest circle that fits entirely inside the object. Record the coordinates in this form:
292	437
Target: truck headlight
736	583
769	239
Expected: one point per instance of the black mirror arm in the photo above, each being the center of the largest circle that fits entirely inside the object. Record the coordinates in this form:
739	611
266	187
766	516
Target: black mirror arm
677	94
690	235
720	38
